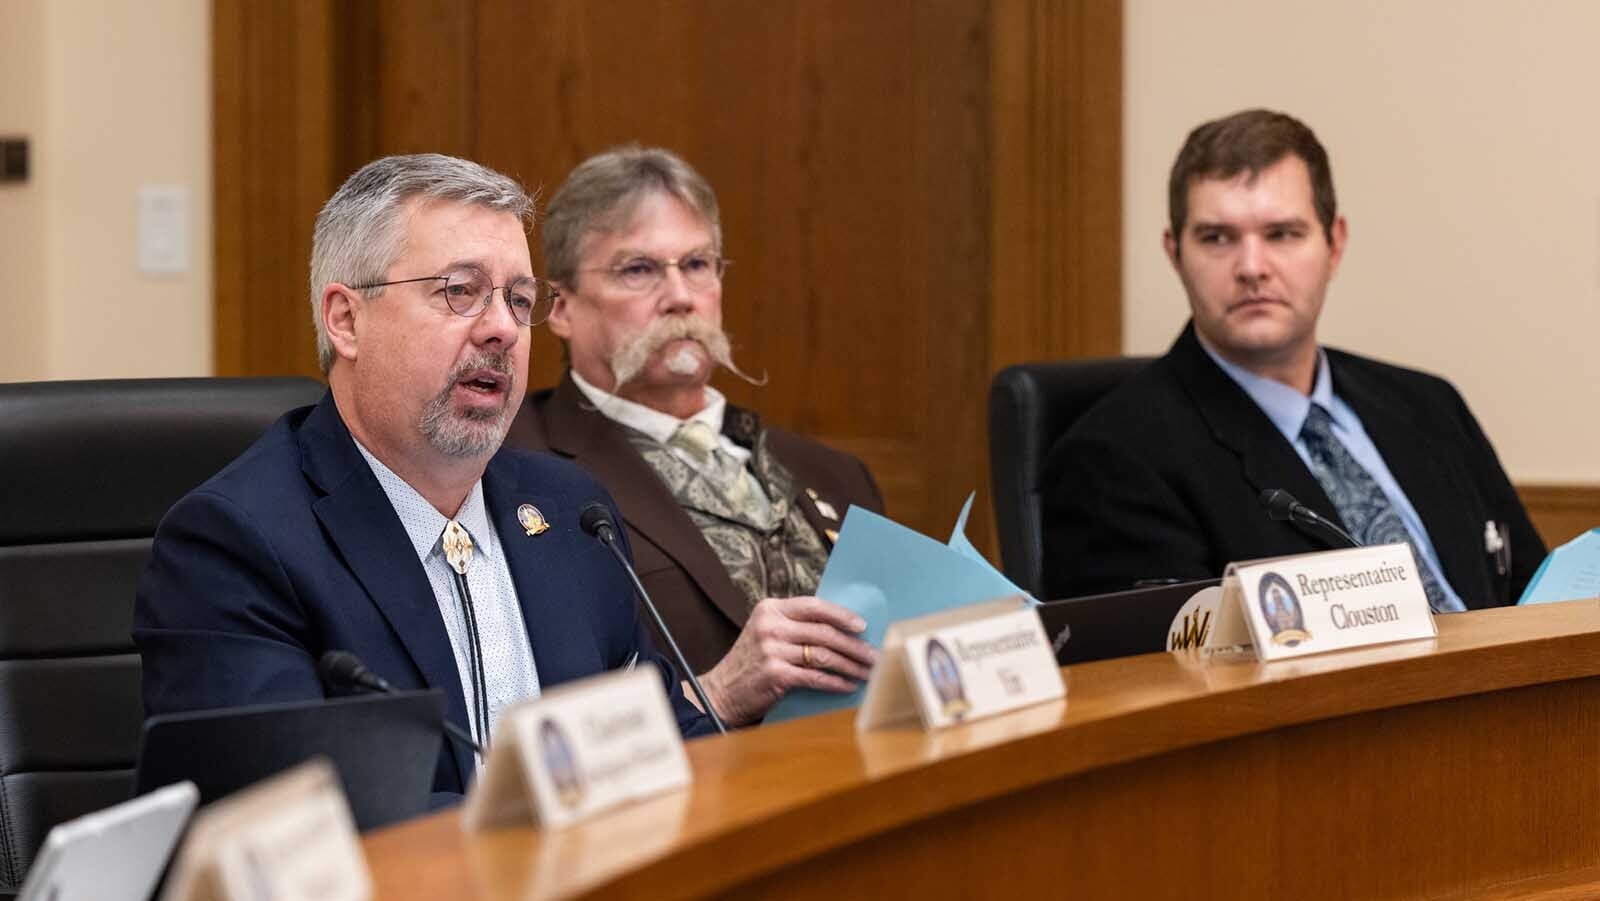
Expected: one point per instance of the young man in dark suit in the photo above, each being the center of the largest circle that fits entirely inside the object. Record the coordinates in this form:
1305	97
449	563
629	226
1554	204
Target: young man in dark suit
387	520
1162	479
732	520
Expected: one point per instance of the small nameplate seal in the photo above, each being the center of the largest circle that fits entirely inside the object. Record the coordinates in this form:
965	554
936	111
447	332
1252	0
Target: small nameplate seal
962	665
1328	601
577	750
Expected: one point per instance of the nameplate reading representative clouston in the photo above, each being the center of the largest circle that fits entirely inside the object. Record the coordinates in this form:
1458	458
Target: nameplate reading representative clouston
1329	600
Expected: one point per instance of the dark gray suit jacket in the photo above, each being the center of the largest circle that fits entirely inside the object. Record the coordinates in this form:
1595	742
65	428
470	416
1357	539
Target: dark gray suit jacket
1162	479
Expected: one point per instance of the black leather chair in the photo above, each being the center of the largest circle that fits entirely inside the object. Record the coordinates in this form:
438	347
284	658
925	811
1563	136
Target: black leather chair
1031	405
87	470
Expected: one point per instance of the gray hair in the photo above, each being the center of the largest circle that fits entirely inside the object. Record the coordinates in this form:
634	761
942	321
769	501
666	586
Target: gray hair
603	193
358	235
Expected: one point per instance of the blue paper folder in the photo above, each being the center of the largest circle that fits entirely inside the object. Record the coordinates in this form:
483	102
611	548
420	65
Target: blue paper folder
1571	572
886	572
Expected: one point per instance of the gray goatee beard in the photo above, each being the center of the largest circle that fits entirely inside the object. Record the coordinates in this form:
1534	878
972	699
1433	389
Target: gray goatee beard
469	432
631	358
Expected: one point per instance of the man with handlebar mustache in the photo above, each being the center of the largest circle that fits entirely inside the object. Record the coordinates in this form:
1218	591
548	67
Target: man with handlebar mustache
731	520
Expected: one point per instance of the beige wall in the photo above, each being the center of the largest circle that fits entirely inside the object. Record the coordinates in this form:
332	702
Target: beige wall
1466	154
120	97
1464	145
22	313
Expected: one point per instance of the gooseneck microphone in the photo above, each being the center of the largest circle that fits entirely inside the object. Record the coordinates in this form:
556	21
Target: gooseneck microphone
1282	507
344	671
596	520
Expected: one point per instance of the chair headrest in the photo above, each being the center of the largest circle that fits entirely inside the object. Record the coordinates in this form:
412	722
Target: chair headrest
1031	406
1051	396
103	459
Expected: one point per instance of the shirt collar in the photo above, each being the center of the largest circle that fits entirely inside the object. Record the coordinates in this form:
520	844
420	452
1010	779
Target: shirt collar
424	525
654	423
1286	407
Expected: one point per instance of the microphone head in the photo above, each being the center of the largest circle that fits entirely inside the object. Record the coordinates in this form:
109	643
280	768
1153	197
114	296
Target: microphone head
595	516
344	670
339	667
1280	504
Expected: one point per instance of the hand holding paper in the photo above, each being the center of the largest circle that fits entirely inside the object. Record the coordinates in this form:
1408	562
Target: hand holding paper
886	572
789	644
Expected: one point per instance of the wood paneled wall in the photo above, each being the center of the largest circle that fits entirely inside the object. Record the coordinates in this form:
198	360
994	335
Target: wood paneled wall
276	161
1561	512
914	194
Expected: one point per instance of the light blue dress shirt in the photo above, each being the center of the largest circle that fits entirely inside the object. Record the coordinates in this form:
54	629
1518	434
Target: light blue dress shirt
1288	408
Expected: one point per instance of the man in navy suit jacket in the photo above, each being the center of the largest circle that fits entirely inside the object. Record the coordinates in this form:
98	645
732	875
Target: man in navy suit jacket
344	527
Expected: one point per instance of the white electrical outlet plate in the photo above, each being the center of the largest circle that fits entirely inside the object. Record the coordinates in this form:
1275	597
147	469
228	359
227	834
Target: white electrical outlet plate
163	229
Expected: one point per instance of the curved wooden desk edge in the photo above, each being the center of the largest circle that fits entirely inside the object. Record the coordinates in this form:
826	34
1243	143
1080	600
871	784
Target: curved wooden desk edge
767	798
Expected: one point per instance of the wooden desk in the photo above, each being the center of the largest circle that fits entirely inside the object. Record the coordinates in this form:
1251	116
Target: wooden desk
1462	766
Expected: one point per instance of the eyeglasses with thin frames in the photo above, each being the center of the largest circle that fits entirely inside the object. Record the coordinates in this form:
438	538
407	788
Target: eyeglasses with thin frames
699	270
468	292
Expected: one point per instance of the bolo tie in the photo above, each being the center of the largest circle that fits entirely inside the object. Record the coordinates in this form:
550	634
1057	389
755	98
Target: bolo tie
458	553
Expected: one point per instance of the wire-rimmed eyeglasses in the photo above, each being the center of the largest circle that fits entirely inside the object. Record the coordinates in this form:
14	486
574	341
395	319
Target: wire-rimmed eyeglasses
468	292
699	270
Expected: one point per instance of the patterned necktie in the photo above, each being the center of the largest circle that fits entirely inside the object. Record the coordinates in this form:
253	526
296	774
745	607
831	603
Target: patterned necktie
702	443
1362	505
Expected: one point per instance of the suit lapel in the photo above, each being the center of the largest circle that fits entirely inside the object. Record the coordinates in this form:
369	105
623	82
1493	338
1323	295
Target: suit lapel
552	600
576	430
1427	479
824	514
363	525
1266	458
827	528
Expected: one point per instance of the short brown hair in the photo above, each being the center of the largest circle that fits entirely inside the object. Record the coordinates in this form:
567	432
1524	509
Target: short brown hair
603	193
1249	141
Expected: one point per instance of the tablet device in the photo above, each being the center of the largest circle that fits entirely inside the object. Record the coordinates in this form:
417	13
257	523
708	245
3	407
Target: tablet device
1120	624
384	746
116	854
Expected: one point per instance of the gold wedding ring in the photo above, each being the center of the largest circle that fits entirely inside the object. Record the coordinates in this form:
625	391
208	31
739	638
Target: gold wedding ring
805	656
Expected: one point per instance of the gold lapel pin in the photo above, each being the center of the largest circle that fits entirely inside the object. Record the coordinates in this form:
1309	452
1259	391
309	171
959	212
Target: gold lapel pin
533	522
823	507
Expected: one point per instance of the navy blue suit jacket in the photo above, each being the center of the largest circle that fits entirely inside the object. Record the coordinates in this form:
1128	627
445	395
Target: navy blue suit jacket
294	550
